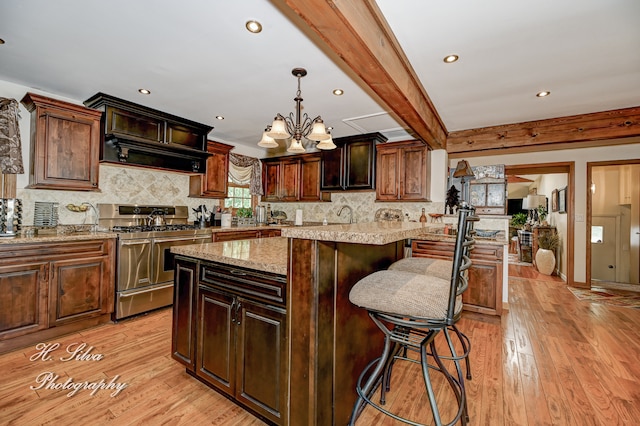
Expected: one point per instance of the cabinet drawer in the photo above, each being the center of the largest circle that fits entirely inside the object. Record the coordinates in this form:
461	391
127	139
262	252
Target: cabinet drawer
235	235
15	253
444	250
257	285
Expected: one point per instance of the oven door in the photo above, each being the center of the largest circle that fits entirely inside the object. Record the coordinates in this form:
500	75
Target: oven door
134	264
163	258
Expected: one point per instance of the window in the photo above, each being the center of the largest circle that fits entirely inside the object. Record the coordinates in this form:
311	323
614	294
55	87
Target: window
239	196
597	234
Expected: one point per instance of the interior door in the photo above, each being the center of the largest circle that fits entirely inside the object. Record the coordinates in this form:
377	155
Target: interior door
603	248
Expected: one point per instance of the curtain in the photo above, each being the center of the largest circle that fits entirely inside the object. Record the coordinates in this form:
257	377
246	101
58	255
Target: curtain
244	170
10	146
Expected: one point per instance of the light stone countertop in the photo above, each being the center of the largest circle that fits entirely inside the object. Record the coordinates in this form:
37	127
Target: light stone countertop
54	238
375	233
263	254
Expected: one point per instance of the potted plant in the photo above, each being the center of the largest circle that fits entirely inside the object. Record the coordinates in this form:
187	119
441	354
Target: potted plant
545	256
518	220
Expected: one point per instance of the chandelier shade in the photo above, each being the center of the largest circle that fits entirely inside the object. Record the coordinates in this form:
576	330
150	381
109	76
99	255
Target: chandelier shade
297	126
267	141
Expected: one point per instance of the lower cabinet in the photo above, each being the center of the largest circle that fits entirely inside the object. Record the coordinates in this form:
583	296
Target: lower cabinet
237	333
484	293
53	288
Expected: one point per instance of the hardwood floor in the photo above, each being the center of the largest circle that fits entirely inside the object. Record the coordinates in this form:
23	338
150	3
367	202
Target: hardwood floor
551	359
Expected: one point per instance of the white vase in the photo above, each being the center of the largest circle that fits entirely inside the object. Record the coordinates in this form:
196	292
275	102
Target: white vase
545	261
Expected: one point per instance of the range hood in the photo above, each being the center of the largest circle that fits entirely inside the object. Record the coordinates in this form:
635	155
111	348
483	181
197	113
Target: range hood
140	136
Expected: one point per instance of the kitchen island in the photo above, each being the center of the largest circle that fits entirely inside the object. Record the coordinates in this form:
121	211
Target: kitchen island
295	345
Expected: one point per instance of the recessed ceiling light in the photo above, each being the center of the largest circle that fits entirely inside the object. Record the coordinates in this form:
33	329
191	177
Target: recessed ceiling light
253	26
449	59
338	92
1	41
219	117
543	94
144	91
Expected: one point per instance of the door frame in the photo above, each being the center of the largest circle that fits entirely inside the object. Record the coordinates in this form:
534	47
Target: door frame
568	167
590	166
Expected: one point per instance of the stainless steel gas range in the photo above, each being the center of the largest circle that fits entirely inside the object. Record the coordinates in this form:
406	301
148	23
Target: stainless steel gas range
145	265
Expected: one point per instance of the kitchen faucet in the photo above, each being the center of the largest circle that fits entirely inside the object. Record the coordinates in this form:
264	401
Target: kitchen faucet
94	226
350	212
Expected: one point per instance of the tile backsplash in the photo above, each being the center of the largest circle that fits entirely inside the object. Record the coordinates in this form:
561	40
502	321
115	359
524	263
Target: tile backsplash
118	184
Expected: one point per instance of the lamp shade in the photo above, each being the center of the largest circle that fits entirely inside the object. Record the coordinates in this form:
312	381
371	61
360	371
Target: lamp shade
463	169
318	131
278	129
266	141
534	200
296	146
326	144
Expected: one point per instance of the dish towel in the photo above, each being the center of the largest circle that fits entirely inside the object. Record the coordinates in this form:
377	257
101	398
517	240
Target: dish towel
10	146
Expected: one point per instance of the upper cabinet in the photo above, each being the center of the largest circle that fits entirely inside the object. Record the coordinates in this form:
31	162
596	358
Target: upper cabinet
65	144
352	165
213	184
292	178
141	136
402	172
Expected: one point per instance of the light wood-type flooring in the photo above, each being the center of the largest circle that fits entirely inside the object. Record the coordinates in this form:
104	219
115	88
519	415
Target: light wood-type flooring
550	360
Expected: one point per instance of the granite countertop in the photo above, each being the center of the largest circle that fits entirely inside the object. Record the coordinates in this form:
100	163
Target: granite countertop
264	254
286	224
375	233
53	238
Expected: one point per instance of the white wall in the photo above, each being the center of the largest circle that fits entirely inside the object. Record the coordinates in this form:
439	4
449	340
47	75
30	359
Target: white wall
580	157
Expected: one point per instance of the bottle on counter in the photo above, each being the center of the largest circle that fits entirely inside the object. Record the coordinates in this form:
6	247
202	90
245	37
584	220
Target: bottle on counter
423	217
324	221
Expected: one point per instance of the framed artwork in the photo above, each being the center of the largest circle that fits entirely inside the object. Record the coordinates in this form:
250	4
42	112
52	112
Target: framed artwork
562	200
554	200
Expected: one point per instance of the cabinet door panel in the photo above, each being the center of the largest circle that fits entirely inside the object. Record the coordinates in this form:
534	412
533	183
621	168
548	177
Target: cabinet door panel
23	299
310	179
78	289
413	181
183	338
332	170
215	359
128	123
271	177
483	279
387	175
359	162
67	147
262	357
290	180
183	135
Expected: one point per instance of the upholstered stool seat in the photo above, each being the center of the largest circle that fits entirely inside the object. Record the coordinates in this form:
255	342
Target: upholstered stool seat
425	266
404	293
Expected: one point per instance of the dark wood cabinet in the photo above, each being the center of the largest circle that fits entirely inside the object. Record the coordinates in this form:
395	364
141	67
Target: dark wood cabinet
137	135
214	183
184	308
402	173
50	289
80	288
65	145
291	179
352	165
484	293
23	299
237	333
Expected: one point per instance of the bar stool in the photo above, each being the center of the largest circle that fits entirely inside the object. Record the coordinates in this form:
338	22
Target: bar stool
411	310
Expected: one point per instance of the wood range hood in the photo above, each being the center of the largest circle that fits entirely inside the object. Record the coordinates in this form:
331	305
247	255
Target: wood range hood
137	135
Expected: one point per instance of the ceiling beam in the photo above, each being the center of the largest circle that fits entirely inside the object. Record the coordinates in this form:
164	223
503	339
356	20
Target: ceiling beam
577	131
358	33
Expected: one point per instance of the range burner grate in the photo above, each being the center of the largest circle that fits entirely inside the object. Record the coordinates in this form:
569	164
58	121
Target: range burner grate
150	228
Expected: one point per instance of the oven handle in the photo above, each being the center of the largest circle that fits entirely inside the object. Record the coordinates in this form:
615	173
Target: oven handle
153	288
168	240
133	242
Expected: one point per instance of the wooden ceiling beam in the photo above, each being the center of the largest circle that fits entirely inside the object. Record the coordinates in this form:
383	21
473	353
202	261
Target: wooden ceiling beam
577	131
358	33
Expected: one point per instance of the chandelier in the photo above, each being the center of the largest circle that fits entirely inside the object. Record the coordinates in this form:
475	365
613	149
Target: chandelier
296	126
